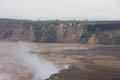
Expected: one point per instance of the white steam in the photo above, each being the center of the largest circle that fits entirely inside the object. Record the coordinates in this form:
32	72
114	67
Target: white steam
39	67
19	55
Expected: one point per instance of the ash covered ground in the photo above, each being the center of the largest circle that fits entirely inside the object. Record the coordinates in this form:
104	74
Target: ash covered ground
39	61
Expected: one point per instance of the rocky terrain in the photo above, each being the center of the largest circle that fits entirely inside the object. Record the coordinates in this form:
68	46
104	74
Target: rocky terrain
85	63
87	32
44	61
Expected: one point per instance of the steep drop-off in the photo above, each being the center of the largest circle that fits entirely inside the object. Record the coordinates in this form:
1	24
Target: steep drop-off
87	32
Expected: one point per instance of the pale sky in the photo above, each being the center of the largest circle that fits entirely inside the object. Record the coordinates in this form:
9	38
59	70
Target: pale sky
60	9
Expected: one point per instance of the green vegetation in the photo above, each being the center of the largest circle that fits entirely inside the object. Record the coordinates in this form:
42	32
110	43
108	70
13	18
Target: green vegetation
54	77
102	32
51	31
99	28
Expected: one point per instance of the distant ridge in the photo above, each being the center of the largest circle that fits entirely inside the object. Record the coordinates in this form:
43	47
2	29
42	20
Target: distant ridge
60	31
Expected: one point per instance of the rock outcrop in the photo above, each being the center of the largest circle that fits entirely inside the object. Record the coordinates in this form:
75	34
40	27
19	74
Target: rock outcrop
105	32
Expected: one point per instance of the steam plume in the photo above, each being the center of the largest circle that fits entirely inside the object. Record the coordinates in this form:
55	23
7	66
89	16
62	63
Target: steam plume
39	67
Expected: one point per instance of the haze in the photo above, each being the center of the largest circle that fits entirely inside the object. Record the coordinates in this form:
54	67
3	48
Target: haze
60	9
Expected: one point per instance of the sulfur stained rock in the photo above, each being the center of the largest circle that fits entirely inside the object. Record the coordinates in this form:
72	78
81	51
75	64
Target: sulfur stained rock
54	77
106	32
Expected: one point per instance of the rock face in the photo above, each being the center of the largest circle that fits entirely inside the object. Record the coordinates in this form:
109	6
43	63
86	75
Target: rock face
105	32
92	73
15	30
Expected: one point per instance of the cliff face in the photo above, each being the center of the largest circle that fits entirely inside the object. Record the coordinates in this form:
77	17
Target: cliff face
101	32
15	30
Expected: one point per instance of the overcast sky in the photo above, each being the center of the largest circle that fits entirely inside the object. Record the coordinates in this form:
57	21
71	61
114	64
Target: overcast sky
60	9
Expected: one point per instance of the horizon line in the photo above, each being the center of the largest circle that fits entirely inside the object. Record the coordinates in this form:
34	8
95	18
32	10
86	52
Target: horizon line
24	19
